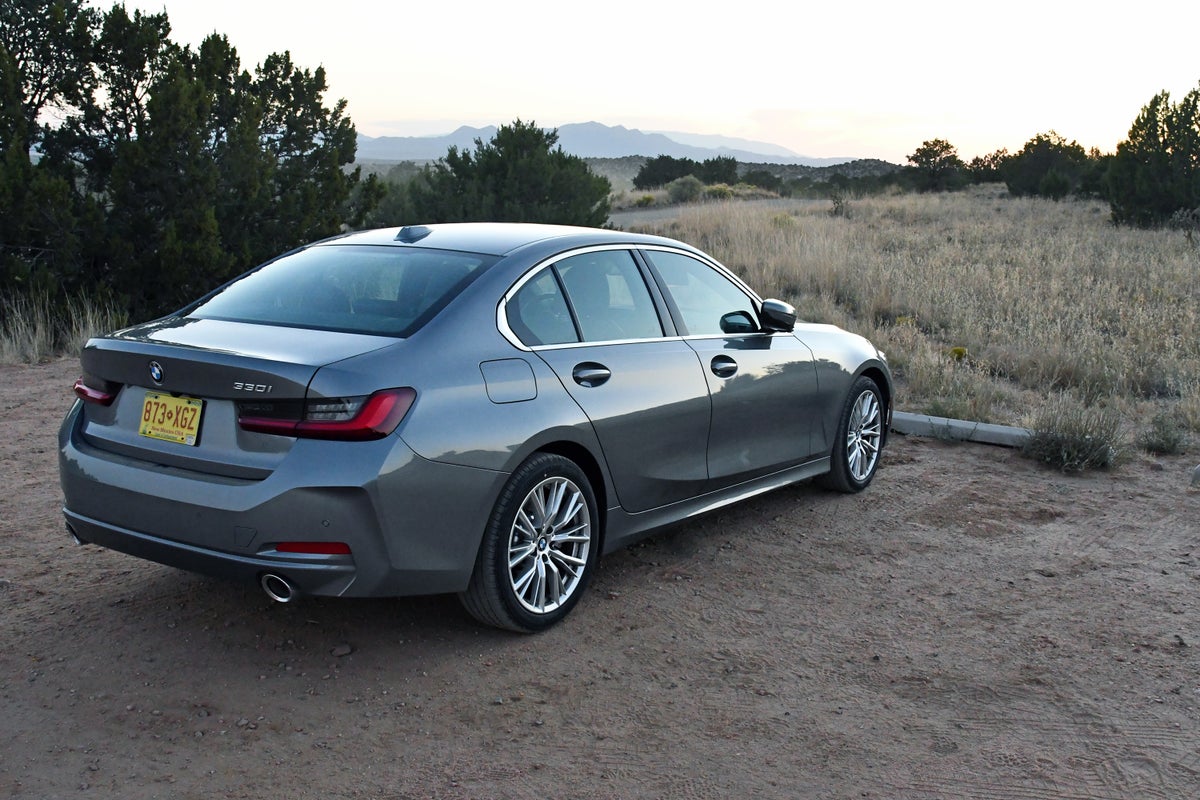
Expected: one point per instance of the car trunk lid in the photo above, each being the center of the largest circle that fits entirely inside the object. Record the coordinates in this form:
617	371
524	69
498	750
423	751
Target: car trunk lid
213	370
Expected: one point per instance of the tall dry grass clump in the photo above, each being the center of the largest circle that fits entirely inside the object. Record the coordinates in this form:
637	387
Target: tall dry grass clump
987	305
34	329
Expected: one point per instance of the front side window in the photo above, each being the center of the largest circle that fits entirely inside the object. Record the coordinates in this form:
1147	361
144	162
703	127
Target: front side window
374	289
709	303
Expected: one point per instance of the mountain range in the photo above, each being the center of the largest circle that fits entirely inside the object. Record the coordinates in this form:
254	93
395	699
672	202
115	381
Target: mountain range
593	140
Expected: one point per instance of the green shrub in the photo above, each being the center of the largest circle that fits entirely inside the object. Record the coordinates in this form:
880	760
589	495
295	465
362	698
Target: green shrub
1072	437
719	191
1165	436
1054	185
685	190
645	201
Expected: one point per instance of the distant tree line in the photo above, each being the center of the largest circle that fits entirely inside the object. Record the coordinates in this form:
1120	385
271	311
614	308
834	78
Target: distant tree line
1047	166
661	170
687	179
1152	179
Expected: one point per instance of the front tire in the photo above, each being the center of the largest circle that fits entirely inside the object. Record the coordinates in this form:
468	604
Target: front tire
539	548
859	438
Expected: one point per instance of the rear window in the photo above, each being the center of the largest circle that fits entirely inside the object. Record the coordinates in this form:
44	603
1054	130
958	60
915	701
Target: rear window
390	291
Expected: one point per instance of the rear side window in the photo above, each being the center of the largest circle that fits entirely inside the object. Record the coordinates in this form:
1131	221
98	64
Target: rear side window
609	296
391	291
538	312
606	299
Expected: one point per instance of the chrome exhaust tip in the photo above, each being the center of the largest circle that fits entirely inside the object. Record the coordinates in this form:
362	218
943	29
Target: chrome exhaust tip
277	588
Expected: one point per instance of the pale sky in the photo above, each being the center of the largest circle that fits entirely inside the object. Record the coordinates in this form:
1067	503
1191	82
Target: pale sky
868	79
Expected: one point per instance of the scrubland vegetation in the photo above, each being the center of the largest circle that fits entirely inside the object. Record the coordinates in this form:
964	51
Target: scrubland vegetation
1050	287
991	307
34	329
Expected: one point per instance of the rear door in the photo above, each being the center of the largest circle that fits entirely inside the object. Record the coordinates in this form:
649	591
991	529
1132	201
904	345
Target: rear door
591	317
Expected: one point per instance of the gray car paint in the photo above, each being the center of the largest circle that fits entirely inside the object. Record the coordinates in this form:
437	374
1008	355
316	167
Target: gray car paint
414	505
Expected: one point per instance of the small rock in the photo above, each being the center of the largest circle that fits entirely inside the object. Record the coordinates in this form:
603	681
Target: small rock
243	722
341	650
1046	573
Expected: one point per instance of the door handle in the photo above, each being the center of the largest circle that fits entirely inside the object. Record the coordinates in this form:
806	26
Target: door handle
723	366
591	374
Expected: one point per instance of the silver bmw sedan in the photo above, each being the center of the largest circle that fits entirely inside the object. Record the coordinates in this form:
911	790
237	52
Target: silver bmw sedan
481	408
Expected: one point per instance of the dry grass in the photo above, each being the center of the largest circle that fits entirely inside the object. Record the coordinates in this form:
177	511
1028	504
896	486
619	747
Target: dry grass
33	330
990	307
987	305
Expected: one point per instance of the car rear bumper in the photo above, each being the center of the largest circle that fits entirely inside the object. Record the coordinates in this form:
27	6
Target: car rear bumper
398	513
317	575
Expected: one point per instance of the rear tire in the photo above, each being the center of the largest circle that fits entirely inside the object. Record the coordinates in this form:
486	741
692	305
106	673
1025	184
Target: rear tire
859	439
539	548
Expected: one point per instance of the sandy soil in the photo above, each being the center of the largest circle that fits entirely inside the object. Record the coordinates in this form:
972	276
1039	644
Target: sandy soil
972	626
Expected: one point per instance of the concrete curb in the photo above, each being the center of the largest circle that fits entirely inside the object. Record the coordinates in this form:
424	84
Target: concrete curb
945	428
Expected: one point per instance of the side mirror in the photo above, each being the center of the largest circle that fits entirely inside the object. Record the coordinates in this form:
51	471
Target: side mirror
778	316
738	322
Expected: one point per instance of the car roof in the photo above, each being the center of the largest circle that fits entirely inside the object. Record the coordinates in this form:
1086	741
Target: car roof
494	238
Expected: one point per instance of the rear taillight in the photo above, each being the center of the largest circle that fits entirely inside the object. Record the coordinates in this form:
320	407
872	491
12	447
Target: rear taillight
344	418
91	390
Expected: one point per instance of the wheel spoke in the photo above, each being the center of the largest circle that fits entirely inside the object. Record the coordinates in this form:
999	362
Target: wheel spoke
539	588
518	554
571	512
554	582
569	534
553	502
520	584
525	526
566	560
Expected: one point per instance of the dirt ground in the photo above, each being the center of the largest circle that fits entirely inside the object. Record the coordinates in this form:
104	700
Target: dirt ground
971	626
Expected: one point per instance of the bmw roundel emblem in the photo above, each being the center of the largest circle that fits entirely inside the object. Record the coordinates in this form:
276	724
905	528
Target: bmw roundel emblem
156	372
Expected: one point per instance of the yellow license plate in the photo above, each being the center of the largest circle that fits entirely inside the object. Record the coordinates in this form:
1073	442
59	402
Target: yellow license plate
172	419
